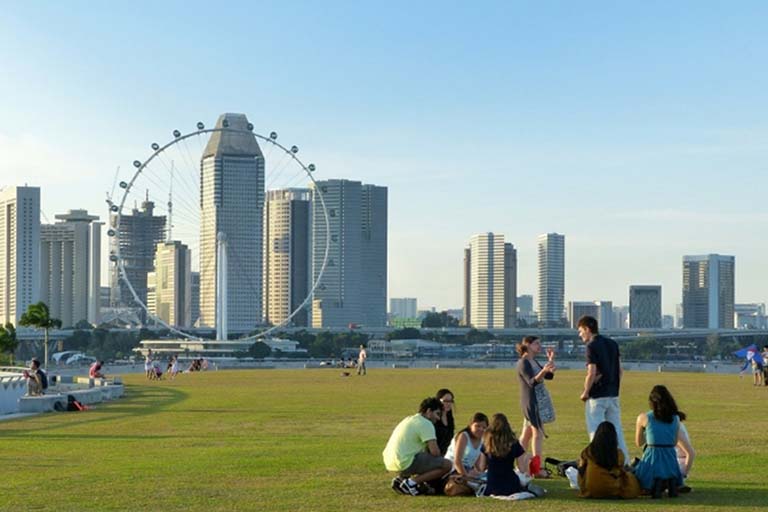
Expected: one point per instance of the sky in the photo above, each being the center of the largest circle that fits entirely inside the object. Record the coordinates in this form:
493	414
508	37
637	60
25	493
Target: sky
636	129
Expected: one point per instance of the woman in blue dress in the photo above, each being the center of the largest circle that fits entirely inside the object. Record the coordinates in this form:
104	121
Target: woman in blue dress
659	430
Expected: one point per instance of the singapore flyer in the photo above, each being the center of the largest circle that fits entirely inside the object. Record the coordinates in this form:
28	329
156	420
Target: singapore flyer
219	229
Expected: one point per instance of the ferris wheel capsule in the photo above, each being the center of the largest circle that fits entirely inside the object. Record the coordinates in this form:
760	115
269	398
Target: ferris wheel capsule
225	123
294	149
250	127
311	167
136	164
273	135
114	208
176	133
200	125
110	232
155	146
123	184
112	257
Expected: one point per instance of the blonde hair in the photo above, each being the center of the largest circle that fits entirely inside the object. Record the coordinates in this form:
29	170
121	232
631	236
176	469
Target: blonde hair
499	437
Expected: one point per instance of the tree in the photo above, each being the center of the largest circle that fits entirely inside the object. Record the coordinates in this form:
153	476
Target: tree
39	317
408	333
442	319
8	341
259	350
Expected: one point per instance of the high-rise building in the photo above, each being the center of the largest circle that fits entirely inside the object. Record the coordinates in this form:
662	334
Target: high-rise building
169	295
405	307
353	289
137	235
493	282
286	255
195	299
605	318
621	317
749	316
374	225
19	251
708	291
578	309
645	307
467	316
232	205
70	267
551	278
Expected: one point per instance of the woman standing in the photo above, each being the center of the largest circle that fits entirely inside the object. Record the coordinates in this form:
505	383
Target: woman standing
659	430
531	374
445	427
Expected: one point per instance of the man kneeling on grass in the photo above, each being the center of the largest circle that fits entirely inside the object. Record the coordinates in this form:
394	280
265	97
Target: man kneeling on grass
412	450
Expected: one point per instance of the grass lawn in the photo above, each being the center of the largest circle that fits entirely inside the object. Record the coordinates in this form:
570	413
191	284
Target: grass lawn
312	440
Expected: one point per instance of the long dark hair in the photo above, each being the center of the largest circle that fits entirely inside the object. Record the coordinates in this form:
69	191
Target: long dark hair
478	417
522	347
499	437
663	405
604	447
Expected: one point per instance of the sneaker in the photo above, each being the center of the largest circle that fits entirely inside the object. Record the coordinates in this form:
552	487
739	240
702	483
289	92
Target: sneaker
425	488
407	488
396	483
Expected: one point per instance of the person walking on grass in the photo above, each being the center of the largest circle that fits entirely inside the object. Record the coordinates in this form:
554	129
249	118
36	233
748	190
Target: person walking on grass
601	385
413	453
361	357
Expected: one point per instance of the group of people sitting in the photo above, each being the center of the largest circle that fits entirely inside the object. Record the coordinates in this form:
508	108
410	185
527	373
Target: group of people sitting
154	370
486	458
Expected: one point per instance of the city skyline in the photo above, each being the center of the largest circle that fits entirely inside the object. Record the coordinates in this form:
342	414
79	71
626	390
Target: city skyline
619	126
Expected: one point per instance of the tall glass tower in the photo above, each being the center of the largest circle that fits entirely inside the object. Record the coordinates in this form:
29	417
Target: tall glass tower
551	278
232	203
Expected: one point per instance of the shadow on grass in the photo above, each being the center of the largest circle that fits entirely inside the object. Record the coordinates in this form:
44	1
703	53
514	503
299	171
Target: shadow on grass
136	402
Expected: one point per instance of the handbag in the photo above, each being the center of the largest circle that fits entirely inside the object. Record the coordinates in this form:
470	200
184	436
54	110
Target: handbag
457	485
544	401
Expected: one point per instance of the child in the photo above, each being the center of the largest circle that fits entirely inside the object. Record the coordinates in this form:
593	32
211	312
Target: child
601	467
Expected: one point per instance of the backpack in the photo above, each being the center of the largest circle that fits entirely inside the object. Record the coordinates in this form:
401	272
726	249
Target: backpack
561	465
43	379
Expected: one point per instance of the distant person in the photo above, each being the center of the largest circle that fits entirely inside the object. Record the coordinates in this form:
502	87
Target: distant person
37	380
412	450
361	358
601	472
531	374
445	426
95	371
601	385
659	430
148	368
765	365
174	366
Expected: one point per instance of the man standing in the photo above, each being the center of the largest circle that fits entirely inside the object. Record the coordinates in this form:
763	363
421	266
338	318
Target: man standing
361	370
412	450
601	386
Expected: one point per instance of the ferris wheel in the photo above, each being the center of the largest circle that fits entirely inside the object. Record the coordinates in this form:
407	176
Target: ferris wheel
196	206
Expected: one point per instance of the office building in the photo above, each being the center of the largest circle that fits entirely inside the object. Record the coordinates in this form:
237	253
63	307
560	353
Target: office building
70	268
137	235
551	278
232	208
645	307
353	289
466	319
19	251
195	299
492	282
169	286
578	309
749	316
708	291
404	307
286	255
605	317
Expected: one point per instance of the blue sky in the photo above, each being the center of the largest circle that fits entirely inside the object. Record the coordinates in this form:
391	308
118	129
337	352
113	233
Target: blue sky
636	129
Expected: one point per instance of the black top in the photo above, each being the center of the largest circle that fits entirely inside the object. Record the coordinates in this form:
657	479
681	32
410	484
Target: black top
526	373
502	479
603	352
444	433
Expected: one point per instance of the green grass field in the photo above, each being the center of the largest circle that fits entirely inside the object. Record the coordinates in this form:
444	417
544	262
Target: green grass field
312	440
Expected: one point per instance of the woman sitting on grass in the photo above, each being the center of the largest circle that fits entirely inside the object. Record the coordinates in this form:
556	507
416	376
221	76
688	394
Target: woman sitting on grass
659	429
444	428
466	449
601	468
502	451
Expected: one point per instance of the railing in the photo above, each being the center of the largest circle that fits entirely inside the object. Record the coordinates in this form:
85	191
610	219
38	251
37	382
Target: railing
13	386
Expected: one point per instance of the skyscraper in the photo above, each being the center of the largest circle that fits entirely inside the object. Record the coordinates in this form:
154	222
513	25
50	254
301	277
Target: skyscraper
169	294
70	267
492	282
353	289
578	309
467	314
19	251
138	234
551	278
286	255
708	291
404	307
232	204
645	307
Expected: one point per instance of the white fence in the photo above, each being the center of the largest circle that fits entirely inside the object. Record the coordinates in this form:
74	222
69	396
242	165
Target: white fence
13	386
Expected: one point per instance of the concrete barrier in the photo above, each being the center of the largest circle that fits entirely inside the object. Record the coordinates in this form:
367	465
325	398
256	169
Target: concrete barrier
43	403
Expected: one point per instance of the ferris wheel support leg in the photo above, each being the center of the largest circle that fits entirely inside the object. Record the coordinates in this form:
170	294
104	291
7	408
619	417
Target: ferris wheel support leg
221	288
